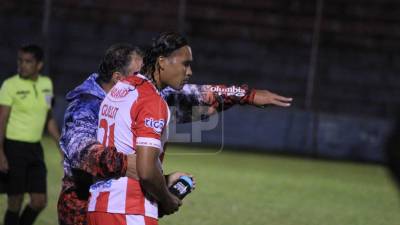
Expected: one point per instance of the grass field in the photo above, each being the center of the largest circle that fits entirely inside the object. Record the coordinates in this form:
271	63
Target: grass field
256	189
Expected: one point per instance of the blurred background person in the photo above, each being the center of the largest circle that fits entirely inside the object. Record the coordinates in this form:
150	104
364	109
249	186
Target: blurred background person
25	110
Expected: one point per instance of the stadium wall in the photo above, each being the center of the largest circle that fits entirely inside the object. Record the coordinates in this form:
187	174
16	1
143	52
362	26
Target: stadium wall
291	131
266	44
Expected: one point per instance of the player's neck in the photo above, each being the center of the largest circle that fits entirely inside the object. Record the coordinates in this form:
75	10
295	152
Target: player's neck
106	86
157	81
33	77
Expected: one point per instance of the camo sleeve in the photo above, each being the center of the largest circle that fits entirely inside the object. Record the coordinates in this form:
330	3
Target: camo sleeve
104	162
79	144
198	102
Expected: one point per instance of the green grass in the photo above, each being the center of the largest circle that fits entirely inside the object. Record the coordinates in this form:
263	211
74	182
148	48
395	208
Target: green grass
256	189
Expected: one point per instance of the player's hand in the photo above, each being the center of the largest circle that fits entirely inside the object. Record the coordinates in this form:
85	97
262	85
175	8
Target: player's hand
131	170
3	162
265	97
173	177
169	205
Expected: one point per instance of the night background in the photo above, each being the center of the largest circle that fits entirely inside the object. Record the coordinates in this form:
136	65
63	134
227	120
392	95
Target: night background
338	59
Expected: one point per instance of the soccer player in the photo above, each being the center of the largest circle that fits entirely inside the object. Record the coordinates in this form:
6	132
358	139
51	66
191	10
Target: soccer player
87	158
25	109
134	118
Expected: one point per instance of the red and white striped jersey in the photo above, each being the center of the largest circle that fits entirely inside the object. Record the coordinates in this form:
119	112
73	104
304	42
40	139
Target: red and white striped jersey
132	114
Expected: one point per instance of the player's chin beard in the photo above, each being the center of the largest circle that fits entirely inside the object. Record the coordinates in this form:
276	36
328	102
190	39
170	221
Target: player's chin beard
185	81
182	84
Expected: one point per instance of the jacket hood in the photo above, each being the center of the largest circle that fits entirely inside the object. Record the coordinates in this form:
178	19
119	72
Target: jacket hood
89	86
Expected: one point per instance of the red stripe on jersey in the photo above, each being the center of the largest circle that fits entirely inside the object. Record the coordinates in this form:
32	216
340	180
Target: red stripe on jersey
102	202
150	221
97	218
111	136
149	113
134	198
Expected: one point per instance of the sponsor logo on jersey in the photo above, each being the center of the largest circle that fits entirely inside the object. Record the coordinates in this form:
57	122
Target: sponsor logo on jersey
23	94
235	91
101	185
157	125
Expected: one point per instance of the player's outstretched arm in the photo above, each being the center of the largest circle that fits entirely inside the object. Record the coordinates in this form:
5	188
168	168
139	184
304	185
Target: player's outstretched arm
153	181
265	97
196	102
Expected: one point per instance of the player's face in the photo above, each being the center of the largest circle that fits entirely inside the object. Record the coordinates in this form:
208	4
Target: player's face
135	64
28	66
177	70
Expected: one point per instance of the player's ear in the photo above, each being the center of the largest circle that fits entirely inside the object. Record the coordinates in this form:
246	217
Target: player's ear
161	62
116	76
39	66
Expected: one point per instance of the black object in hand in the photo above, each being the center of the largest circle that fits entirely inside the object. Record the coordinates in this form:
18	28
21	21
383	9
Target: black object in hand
182	187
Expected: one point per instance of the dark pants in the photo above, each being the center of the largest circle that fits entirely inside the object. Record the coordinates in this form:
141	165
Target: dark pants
27	170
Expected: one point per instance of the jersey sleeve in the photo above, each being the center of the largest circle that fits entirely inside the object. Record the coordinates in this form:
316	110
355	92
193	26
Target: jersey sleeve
209	98
6	94
150	122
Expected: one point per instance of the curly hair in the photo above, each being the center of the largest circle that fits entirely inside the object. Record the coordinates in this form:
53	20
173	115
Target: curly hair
117	59
163	45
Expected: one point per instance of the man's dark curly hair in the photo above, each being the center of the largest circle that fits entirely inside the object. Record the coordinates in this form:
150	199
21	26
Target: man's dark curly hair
117	59
163	45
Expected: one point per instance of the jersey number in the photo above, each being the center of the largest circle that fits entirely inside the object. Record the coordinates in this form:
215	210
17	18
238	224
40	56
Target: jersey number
108	137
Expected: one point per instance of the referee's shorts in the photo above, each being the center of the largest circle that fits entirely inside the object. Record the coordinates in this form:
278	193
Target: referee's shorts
27	170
